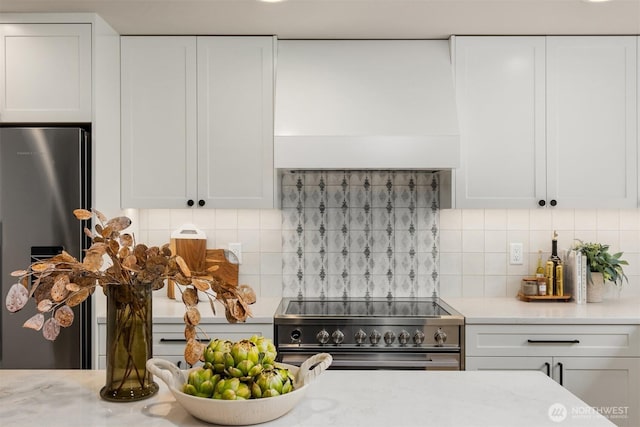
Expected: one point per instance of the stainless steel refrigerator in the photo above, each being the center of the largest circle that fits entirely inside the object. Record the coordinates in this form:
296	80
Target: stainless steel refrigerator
44	175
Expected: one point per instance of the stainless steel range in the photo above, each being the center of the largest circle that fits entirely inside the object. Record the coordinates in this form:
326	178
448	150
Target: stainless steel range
398	333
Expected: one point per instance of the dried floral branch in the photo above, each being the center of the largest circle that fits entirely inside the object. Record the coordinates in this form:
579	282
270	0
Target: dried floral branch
114	259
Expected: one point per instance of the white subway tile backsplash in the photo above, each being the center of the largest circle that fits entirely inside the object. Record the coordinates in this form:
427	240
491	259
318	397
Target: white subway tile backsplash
540	219
270	240
450	241
608	219
226	219
473	263
451	219
271	264
495	286
204	218
270	219
250	263
248	219
562	219
451	264
472	286
495	264
473	219
496	241
179	217
473	241
224	237
157	219
585	219
630	219
250	240
495	219
518	219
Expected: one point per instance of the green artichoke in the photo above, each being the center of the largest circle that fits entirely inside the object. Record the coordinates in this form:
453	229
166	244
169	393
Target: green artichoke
267	349
217	356
270	383
201	382
232	389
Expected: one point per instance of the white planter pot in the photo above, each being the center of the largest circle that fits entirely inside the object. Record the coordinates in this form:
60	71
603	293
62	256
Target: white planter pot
595	288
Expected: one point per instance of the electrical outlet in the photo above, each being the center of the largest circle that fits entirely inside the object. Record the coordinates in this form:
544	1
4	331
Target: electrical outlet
516	256
236	248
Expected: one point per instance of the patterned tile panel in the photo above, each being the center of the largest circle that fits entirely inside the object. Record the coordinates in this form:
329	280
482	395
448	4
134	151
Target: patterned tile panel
360	234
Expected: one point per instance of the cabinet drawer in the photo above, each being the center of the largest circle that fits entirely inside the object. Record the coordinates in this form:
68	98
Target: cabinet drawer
552	340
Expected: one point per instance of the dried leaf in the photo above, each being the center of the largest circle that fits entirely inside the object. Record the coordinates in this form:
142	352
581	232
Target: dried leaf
73	287
88	233
100	215
45	305
190	332
92	261
82	214
247	294
35	322
66	257
51	329
19	273
40	267
124	252
192	316
190	297
183	266
17	297
78	297
64	316
126	240
119	223
59	290
193	351
201	285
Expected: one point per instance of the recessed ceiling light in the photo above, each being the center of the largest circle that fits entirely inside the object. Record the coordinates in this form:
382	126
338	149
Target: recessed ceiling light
278	1
596	1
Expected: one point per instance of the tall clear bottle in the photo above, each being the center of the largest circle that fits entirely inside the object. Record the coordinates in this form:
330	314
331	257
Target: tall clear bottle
556	284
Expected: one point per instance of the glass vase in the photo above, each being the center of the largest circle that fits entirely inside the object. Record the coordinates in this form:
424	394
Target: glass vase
129	343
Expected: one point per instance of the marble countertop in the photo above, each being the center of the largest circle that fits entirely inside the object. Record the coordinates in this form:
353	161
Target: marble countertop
167	310
513	311
335	398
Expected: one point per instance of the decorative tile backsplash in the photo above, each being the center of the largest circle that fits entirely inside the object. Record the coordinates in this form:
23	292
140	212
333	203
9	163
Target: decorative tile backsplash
360	234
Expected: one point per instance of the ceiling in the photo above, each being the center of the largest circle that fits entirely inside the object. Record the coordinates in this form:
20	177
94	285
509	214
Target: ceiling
352	18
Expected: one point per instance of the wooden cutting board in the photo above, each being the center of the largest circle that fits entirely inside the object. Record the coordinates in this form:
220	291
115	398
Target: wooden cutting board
191	244
227	267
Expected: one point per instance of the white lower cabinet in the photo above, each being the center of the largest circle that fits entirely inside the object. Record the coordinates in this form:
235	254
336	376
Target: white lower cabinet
169	342
598	363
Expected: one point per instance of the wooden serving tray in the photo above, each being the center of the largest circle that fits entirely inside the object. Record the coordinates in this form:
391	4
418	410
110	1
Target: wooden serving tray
530	298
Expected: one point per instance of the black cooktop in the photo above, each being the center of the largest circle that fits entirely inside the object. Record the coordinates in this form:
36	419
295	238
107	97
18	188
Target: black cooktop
411	307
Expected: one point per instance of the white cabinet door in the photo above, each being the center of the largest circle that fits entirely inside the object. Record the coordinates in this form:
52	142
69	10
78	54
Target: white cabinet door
158	107
45	73
611	385
501	104
591	122
235	122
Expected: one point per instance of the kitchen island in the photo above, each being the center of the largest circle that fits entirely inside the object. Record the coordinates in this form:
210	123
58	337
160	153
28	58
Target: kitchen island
335	398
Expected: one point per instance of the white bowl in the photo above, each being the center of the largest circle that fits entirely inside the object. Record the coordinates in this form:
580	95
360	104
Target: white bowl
240	412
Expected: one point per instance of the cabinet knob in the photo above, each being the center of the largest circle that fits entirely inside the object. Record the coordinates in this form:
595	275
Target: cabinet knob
541	202
553	203
190	202
201	202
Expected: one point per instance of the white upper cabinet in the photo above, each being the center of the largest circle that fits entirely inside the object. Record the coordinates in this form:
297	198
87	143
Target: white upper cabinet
158	113
591	122
45	73
547	121
500	95
197	122
235	122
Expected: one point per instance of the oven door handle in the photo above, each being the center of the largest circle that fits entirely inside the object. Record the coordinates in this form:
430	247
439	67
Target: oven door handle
440	363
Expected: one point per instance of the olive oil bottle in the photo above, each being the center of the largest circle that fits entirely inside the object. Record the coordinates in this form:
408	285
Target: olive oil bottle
555	270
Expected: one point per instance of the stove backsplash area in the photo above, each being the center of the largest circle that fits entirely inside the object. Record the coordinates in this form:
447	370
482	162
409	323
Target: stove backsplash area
360	234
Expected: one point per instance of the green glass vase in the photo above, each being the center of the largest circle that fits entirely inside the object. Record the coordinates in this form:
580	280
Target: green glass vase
129	343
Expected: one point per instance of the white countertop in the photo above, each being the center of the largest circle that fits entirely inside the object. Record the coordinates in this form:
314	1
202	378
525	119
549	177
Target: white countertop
167	310
513	311
336	398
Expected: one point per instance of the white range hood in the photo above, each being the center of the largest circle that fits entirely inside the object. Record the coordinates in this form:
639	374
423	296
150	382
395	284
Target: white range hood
365	104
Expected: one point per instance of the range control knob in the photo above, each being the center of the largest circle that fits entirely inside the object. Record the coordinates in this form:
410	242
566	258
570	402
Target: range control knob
403	338
296	334
322	337
389	337
337	336
360	337
374	338
418	337
440	336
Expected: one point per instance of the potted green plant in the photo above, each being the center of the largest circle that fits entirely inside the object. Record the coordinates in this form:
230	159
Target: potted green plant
602	267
